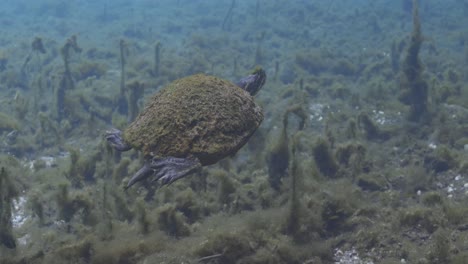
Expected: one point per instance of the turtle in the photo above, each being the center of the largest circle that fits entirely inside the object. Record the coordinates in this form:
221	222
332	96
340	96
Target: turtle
193	122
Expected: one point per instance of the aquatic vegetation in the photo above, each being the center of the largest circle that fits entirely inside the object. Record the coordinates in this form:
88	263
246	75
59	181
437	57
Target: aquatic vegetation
70	47
88	69
172	222
3	61
11	79
8	123
414	88
135	93
227	247
8	192
157	59
313	62
37	48
121	100
323	156
334	171
227	21
278	157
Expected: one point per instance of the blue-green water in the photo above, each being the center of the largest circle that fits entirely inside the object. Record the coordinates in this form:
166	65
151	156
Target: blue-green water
361	156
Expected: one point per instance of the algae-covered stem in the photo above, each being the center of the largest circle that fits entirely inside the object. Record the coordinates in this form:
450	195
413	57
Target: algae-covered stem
123	60
122	101
65	51
294	206
228	16
278	158
157	58
7	193
257	9
414	87
37	47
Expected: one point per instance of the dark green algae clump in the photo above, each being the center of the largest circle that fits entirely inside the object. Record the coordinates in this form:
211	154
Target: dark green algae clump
204	116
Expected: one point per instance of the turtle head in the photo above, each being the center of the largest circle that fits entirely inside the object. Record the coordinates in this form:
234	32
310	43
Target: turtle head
254	82
115	139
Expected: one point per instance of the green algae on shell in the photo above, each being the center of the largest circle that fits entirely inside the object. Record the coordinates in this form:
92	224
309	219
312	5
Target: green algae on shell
200	115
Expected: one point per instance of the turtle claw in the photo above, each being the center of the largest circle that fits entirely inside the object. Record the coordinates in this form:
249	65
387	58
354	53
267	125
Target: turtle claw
167	170
140	175
174	168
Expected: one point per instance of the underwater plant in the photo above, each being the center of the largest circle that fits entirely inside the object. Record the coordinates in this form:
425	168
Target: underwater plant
278	157
414	89
7	193
157	59
121	100
135	92
37	48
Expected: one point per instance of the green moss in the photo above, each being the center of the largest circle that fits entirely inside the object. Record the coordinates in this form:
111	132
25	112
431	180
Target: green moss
293	219
48	127
230	246
226	187
188	204
455	213
122	210
21	104
8	123
432	199
135	93
201	115
324	158
370	129
142	217
344	67
82	168
157	59
120	171
423	217
371	182
278	158
172	222
353	156
416	178
444	159
8	192
311	61
70	47
88	69
440	248
461	258
340	202
414	88
36	205
3	60
81	250
262	256
69	205
12	79
351	129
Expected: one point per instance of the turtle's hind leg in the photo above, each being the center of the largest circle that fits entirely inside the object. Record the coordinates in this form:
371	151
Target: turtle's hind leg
166	169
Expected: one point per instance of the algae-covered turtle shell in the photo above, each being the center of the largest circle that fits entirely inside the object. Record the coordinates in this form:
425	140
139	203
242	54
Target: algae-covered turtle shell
193	122
200	115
